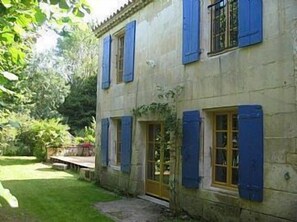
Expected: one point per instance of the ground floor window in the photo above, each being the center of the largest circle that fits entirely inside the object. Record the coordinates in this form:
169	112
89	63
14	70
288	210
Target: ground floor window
225	149
118	141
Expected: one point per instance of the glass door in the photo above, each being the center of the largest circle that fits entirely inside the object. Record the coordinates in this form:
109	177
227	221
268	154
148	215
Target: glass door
157	162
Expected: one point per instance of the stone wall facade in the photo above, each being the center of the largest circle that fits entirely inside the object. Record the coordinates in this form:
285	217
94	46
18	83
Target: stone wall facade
264	74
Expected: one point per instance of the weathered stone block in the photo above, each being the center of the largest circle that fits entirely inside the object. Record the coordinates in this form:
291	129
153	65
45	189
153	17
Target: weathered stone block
59	166
276	203
292	158
277	149
280	177
87	174
220	212
250	216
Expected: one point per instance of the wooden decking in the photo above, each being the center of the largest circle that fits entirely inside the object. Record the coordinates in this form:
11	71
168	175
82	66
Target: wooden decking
75	162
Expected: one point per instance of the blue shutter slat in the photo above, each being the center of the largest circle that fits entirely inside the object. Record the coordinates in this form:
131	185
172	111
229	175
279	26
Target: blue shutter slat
250	182
191	31
106	62
250	22
104	141
126	150
190	149
129	52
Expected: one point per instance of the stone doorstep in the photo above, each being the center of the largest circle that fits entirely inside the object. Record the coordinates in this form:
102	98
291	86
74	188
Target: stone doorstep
60	166
87	174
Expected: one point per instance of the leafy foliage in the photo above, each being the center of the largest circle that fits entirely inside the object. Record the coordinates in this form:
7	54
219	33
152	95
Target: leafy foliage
46	89
11	124
23	135
44	134
79	107
166	108
77	54
87	134
18	22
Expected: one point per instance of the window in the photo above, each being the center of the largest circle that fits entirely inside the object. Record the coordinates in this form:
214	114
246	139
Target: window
224	25
123	56
120	57
118	141
225	152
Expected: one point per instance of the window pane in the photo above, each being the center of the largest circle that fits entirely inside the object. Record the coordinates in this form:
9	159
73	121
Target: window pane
166	174
151	133
221	122
221	139
151	152
224	24
235	158
221	155
157	153
235	176
234	122
221	174
166	154
151	171
234	140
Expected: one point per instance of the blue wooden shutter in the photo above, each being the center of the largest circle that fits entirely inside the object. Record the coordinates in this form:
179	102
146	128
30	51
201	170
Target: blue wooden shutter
106	62
129	52
190	149
191	31
104	141
250	22
126	150
250	183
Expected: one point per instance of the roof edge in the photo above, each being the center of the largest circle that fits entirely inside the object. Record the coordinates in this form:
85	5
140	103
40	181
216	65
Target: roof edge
120	15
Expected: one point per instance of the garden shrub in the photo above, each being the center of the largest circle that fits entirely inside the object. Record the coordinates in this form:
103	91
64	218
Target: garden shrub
87	134
11	124
43	134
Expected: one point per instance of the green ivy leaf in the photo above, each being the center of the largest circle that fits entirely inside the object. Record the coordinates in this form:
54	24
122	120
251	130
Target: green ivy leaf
6	3
64	4
54	2
40	17
78	12
17	55
9	76
3	89
23	20
18	29
7	37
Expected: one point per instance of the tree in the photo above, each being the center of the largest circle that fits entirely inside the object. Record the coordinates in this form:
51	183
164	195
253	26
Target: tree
79	107
78	57
18	22
78	53
47	88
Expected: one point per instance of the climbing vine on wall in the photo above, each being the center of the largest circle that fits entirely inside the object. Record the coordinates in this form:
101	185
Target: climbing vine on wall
165	108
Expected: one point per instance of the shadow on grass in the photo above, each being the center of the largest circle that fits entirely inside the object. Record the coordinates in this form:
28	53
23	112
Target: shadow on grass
46	169
7	161
55	200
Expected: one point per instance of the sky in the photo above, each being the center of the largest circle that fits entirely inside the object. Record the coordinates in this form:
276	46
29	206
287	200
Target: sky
100	10
103	8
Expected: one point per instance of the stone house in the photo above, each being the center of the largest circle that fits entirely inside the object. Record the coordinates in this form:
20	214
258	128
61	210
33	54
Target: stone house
235	157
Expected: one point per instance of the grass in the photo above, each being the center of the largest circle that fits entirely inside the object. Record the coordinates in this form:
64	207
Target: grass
45	194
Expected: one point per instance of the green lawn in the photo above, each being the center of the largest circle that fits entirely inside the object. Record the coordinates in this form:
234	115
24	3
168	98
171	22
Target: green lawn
45	194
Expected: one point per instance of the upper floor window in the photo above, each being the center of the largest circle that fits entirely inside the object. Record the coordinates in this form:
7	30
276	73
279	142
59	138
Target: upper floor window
224	25
124	53
120	57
